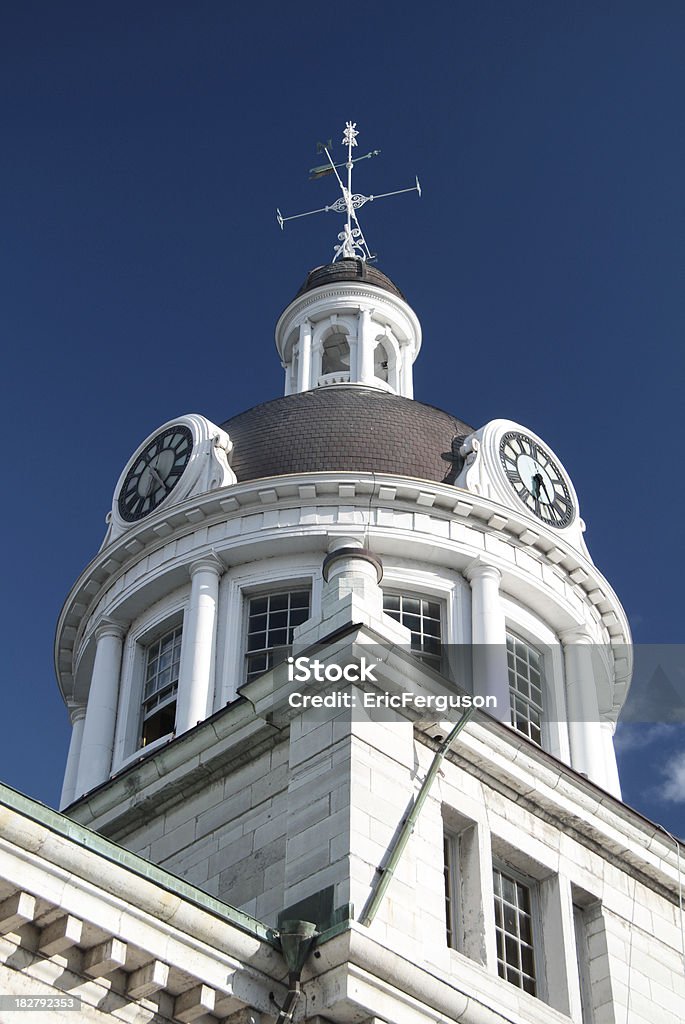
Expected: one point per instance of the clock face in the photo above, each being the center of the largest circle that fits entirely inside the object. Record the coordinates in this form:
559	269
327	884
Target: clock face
155	472
536	479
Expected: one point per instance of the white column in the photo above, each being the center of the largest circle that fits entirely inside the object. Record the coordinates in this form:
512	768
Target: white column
95	762
406	375
613	782
304	369
489	637
365	347
582	707
197	652
77	714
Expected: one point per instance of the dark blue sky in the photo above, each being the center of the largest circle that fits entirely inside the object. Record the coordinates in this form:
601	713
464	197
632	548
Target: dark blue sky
144	150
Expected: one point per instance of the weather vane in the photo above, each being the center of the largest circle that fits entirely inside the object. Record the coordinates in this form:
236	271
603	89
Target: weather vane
351	238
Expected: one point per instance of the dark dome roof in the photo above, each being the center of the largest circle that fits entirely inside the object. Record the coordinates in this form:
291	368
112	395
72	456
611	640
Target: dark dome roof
346	428
348	270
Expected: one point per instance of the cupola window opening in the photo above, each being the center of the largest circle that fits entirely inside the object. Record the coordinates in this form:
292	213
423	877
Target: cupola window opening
526	684
381	363
423	616
271	621
335	358
162	666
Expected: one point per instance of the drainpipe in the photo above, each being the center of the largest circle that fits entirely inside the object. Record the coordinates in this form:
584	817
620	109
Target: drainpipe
410	822
296	941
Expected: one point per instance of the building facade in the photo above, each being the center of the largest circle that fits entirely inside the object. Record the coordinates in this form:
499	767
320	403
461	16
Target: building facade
229	816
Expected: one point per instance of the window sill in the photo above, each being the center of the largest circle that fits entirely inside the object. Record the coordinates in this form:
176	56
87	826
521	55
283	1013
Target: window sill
142	752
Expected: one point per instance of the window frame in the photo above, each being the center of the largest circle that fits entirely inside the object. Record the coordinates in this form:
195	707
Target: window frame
526	626
152	642
165	615
248	594
533	887
451	842
528	701
442	600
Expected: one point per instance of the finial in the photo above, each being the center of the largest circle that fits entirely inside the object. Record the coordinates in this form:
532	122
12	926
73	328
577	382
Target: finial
351	238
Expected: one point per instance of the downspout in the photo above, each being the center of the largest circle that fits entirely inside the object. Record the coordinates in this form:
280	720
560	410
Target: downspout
296	941
388	871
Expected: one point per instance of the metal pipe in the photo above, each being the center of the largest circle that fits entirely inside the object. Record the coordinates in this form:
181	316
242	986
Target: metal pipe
409	823
291	1000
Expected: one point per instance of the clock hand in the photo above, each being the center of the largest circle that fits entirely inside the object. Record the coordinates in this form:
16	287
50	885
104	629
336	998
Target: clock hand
535	484
157	477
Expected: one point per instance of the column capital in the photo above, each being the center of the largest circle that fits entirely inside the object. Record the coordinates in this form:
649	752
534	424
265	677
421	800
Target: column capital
480	570
109	627
76	712
207	563
575	635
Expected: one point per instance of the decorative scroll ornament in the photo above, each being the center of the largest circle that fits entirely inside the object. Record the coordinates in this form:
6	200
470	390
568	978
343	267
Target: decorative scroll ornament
351	238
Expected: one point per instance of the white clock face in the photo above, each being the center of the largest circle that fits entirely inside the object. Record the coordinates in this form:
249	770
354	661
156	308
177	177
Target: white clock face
536	479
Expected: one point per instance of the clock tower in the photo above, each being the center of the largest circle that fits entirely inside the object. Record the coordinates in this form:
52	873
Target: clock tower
343	680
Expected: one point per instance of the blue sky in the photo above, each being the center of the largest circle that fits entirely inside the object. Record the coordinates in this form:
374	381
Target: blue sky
145	149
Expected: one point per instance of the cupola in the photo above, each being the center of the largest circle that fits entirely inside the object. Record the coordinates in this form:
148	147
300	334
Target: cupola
348	324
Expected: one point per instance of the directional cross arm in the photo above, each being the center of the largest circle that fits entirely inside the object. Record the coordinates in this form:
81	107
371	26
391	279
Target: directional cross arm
351	238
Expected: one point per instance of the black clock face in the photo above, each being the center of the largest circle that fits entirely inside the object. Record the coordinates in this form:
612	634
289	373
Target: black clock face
536	479
155	472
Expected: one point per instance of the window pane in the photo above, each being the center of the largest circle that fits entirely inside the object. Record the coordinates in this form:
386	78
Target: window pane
278	620
256	642
527	962
298	616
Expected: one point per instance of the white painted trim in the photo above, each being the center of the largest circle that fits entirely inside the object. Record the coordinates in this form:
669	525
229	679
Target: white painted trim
165	613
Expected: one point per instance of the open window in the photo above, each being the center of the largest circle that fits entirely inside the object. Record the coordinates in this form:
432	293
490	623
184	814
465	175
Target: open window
160	685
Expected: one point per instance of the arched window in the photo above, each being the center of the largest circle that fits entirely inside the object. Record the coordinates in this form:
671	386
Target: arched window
380	362
335	357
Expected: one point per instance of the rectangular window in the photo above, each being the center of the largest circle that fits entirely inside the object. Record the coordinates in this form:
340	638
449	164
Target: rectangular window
271	620
514	930
451	856
526	682
162	662
423	617
581	919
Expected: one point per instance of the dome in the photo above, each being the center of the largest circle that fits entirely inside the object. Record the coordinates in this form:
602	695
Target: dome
349	428
348	270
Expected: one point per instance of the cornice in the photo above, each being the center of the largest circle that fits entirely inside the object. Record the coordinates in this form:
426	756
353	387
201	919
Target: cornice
346	290
369	492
